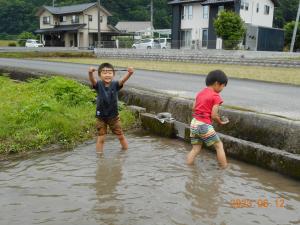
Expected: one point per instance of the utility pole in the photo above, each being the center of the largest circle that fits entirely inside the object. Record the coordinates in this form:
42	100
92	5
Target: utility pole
151	8
99	22
53	3
295	29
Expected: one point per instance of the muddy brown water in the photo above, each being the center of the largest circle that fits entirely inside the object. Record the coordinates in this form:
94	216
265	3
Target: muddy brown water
149	184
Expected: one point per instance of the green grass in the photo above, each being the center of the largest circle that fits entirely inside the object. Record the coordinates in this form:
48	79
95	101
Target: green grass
46	111
4	43
36	54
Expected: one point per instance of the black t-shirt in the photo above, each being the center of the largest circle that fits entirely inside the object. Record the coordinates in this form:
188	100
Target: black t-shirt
107	99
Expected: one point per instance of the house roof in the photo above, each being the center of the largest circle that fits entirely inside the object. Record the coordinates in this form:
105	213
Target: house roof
74	27
208	2
276	2
183	1
133	26
71	9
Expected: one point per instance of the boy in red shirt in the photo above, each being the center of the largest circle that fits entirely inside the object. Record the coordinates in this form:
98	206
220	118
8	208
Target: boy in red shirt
205	108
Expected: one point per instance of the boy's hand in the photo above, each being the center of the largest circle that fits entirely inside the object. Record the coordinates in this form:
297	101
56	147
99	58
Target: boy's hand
130	70
224	120
92	70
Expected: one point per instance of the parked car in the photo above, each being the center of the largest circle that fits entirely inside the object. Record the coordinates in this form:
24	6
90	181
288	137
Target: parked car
32	43
146	44
165	43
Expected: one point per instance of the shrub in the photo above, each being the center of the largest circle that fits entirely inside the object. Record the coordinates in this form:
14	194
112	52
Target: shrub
12	44
24	36
230	27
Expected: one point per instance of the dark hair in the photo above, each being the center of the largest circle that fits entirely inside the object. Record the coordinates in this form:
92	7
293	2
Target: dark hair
107	65
216	76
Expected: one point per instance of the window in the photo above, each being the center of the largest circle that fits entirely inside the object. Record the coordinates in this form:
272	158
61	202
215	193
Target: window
245	5
204	37
257	7
205	12
62	18
187	12
46	20
183	13
220	9
75	19
186	38
190	12
90	18
267	10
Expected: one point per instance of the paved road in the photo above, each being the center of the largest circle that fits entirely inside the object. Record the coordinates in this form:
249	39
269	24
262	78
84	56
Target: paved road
278	99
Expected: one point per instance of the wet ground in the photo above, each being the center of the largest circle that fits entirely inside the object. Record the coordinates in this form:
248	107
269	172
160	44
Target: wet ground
149	184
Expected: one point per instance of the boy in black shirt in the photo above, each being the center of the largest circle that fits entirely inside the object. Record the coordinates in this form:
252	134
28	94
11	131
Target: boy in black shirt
107	103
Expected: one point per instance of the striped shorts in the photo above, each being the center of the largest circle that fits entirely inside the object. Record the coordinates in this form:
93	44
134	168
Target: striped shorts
201	132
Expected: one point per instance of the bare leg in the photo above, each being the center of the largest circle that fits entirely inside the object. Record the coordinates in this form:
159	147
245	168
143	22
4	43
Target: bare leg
100	144
193	153
221	154
123	142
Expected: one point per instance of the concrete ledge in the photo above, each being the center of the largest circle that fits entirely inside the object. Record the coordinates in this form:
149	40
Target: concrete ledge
150	122
257	154
266	157
267	130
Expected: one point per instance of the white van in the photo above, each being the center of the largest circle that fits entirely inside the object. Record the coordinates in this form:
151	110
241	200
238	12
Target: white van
32	43
165	43
146	44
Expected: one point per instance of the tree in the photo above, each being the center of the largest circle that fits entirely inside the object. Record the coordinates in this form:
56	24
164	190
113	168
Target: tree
230	27
286	12
24	36
289	28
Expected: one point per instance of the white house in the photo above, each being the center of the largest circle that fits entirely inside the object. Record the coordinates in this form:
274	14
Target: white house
75	26
138	29
192	22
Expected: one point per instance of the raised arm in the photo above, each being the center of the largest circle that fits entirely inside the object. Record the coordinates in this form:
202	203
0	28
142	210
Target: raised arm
91	76
126	76
215	115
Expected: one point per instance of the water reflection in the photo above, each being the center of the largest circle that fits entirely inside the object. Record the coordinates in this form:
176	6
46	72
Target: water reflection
149	184
204	194
108	175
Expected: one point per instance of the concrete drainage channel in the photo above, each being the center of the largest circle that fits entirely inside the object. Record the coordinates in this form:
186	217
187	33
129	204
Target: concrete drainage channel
267	141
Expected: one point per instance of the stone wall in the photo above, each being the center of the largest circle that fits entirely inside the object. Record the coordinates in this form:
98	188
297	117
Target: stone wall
277	59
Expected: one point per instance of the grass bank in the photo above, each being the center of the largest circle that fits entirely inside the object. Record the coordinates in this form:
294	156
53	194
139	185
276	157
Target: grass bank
5	43
36	54
47	111
270	74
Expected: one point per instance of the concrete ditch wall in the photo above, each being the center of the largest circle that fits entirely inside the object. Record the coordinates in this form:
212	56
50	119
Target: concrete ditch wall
268	129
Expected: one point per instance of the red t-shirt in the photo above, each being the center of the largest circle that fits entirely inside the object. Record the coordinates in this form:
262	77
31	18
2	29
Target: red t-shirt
205	100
